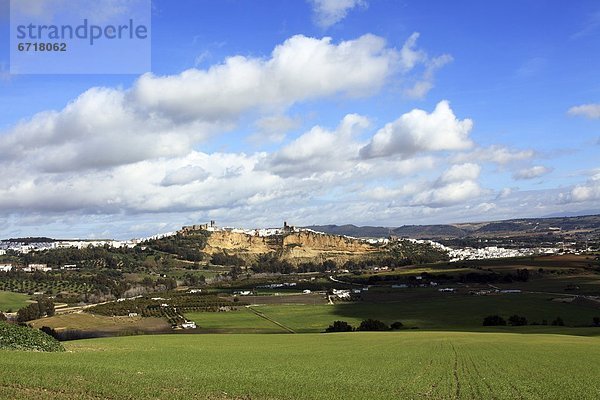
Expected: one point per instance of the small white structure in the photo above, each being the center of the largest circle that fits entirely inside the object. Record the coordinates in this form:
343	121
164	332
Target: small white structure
341	293
6	267
133	314
2	252
306	291
189	325
192	291
510	291
37	267
451	290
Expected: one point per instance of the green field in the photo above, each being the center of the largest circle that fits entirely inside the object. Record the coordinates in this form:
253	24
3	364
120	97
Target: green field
401	365
241	321
426	310
12	301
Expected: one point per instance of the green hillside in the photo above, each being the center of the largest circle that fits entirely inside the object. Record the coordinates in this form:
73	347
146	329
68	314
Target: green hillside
14	337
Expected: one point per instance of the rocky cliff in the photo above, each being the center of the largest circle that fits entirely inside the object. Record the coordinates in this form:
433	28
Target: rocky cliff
294	247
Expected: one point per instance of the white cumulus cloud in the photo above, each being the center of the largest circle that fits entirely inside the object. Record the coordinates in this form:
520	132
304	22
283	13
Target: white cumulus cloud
302	68
419	131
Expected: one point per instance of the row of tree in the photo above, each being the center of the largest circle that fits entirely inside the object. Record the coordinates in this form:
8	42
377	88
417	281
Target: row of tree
365	325
517	320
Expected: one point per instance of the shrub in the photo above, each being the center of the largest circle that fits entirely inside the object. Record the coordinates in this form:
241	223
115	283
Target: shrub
373	325
558	322
516	320
14	337
339	326
595	321
494	320
396	325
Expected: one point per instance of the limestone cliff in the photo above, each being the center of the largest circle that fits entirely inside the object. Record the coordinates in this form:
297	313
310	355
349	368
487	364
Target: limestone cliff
236	242
293	246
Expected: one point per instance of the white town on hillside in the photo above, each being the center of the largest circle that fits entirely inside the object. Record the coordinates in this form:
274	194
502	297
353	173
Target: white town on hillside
455	254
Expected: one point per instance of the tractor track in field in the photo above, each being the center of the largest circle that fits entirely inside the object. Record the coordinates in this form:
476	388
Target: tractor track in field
455	371
482	378
261	315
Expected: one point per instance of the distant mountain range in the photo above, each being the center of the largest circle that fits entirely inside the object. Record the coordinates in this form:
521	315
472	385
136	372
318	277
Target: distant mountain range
562	225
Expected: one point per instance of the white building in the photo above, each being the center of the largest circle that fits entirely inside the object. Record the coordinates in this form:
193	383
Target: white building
6	267
37	267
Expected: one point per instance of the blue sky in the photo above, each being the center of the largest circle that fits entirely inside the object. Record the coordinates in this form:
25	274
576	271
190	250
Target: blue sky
372	112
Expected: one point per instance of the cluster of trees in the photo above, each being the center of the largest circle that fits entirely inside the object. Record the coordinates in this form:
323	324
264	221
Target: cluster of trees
517	320
42	308
408	252
90	257
365	325
227	260
187	247
270	262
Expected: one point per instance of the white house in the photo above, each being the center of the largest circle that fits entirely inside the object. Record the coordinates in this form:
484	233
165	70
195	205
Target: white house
189	325
2	252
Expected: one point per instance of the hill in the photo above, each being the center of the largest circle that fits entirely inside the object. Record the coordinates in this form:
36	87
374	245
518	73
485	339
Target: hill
572	226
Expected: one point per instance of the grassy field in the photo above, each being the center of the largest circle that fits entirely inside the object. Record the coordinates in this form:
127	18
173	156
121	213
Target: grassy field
438	312
89	322
241	321
426	310
12	301
405	365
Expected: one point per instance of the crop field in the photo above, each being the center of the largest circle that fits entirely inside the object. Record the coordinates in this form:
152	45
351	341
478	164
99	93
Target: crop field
30	285
99	323
12	301
429	311
389	365
439	312
241	321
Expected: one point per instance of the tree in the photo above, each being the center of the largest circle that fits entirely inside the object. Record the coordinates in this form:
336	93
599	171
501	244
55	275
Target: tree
339	326
596	321
516	320
2	317
558	322
396	325
494	320
373	325
43	307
